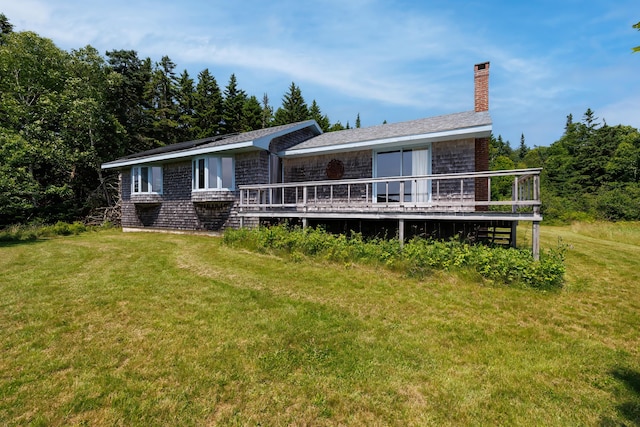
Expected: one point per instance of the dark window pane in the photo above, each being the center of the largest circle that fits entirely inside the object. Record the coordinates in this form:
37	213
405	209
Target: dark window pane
388	164
227	172
201	172
144	181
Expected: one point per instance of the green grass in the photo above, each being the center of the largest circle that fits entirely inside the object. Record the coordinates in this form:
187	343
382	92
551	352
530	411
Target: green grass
108	328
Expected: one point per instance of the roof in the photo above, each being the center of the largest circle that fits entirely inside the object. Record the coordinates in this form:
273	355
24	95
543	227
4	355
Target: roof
257	139
466	124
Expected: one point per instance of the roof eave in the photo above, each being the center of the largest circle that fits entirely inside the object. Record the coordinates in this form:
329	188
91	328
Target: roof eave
177	155
471	132
261	143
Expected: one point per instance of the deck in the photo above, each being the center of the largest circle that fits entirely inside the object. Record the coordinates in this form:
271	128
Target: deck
451	197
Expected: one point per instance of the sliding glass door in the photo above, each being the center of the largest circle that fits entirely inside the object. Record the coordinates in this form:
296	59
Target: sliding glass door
402	162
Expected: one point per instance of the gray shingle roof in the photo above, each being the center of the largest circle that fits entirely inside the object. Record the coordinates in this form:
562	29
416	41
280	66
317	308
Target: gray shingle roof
184	149
424	126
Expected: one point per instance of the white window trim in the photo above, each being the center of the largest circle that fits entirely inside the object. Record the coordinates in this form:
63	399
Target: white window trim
402	149
136	175
207	185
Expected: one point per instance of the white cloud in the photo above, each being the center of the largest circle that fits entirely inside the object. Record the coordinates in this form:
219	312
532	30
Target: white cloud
397	58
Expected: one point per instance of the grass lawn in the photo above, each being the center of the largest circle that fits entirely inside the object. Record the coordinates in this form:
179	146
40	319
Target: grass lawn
106	328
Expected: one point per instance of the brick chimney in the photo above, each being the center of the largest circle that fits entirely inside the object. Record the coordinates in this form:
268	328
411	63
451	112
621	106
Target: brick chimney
481	85
481	96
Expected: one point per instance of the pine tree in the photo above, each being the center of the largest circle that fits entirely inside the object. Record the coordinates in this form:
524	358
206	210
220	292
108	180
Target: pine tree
233	107
252	114
208	106
316	114
358	121
186	107
293	109
6	27
267	112
126	99
161	95
590	120
522	149
569	123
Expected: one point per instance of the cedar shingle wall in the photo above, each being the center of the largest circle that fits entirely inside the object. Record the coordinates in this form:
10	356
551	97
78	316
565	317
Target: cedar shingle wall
287	141
175	208
357	164
453	157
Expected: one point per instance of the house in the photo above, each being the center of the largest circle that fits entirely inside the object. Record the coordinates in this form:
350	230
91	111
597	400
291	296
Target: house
428	176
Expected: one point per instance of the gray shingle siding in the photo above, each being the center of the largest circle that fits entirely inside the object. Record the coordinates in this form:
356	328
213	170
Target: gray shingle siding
181	209
357	164
453	157
176	208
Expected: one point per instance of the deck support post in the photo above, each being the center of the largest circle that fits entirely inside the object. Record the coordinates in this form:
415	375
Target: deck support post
514	230
535	240
305	223
401	231
241	222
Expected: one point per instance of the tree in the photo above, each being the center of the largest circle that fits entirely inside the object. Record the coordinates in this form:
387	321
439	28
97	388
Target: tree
161	95
233	107
624	165
337	126
6	27
129	77
89	128
19	189
33	74
569	122
267	112
251	114
293	109
497	148
636	26
358	121
316	114
185	98
208	106
590	120
522	149
501	186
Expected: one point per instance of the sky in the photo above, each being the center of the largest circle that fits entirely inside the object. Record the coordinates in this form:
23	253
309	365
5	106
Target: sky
386	60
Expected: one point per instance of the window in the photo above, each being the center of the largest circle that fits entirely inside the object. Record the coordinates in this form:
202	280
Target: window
404	162
146	179
213	173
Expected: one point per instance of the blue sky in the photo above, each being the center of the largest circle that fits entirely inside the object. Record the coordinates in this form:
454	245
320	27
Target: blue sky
386	60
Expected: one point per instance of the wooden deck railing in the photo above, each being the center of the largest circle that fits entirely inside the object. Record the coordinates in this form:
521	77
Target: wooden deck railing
436	193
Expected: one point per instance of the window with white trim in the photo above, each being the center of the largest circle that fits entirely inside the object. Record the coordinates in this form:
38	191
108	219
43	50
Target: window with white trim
402	162
213	173
146	179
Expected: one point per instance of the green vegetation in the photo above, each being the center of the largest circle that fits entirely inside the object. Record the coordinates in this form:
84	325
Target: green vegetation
63	114
19	233
418	257
591	173
106	328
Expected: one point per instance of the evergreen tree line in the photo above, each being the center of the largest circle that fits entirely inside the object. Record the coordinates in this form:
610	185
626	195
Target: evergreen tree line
591	172
63	114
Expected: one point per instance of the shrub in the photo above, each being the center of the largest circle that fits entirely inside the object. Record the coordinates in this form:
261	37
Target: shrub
418	257
34	231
